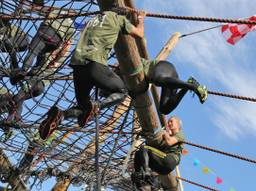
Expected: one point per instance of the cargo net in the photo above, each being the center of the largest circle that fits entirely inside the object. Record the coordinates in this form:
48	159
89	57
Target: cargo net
26	160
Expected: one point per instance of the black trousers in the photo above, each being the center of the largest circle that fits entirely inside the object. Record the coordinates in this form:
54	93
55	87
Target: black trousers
95	74
173	89
46	40
145	158
12	45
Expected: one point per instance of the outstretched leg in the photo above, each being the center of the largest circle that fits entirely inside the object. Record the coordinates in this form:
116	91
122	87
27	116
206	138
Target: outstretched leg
84	109
170	99
164	74
173	89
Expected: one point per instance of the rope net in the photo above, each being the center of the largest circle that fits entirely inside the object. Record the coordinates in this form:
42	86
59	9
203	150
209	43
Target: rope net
70	151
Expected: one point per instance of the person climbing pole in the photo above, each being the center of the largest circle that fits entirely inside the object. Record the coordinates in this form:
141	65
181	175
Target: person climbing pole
163	74
161	154
89	63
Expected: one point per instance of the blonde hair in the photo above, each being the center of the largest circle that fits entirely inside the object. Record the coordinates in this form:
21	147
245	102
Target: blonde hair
178	119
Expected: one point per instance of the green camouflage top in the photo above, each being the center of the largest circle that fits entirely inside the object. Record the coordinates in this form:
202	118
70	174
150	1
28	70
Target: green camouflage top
148	65
63	26
99	37
157	141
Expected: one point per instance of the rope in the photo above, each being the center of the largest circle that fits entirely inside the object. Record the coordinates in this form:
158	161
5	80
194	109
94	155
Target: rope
97	147
199	31
191	18
64	16
221	152
119	133
194	183
232	96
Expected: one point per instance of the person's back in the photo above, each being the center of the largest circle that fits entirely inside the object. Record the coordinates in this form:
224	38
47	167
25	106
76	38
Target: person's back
99	37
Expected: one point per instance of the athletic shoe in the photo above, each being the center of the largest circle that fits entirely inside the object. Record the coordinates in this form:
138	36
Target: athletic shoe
17	75
51	123
201	91
87	115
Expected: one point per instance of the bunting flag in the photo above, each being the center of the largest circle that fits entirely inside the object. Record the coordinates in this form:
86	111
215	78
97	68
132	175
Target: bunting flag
184	152
234	32
205	170
218	180
196	162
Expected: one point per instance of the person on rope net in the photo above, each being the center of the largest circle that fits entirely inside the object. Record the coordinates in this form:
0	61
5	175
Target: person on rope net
51	34
163	74
161	154
13	40
34	86
89	63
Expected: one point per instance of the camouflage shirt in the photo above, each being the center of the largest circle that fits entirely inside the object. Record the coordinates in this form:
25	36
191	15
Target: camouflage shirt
157	141
99	37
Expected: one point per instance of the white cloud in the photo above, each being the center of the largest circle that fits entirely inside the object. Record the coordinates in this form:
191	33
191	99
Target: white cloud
214	59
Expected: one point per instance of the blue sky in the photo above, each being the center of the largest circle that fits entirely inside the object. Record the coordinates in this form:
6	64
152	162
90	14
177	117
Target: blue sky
220	123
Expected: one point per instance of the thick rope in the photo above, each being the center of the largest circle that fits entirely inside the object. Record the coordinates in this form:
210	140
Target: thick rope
232	96
221	152
164	16
194	183
191	18
63	16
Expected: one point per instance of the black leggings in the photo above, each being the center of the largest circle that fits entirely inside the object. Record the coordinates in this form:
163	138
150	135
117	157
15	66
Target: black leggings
46	40
144	158
99	75
164	75
12	45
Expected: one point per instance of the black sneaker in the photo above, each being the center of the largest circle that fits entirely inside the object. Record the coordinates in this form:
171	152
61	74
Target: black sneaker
201	91
17	75
87	115
51	123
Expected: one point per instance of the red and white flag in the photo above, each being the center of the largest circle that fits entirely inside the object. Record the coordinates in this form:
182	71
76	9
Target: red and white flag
234	32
